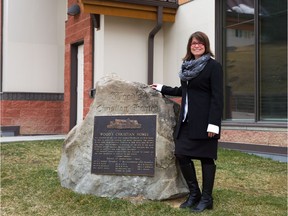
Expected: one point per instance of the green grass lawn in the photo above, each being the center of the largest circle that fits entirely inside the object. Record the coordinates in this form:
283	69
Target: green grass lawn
245	185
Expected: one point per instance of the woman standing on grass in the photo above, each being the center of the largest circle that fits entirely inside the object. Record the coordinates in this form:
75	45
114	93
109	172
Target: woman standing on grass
198	130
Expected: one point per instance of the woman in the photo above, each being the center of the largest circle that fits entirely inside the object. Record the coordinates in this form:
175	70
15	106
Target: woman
198	130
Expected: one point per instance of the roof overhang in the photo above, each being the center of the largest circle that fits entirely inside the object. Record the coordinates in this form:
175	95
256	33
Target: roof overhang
141	9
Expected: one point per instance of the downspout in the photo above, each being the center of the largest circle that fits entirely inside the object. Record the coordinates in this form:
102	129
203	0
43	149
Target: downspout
151	43
96	25
1	44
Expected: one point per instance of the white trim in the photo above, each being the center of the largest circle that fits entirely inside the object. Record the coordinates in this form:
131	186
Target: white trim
80	83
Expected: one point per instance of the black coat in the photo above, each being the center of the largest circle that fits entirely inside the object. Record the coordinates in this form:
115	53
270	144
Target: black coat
205	100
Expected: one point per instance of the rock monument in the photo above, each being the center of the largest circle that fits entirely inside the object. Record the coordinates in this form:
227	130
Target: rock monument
118	97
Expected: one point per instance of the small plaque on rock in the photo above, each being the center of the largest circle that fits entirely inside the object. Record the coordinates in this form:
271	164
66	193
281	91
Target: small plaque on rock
124	145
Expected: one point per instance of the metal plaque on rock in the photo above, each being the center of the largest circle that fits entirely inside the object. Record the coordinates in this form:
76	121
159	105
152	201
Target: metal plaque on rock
124	145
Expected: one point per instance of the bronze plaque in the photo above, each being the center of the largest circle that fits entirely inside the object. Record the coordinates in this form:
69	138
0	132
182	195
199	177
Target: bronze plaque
124	145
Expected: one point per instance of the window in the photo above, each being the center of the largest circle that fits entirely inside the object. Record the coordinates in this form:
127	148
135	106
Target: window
273	60
254	55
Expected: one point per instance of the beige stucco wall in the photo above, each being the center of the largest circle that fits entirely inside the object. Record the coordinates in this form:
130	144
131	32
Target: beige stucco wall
33	45
198	15
121	48
121	44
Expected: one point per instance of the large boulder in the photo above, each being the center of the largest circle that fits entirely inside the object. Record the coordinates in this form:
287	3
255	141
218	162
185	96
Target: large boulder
117	97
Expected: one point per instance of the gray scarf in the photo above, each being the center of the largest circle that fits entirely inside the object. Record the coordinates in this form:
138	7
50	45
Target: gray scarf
192	68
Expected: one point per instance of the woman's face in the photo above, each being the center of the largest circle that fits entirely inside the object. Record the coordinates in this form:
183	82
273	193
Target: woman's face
197	48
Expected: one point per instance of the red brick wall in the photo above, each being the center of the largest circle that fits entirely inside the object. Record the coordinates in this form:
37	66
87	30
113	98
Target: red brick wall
33	117
264	137
78	28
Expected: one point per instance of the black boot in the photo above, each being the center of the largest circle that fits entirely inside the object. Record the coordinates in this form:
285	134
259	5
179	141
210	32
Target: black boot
206	202
189	174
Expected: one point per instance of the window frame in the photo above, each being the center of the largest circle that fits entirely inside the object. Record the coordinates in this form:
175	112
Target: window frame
220	39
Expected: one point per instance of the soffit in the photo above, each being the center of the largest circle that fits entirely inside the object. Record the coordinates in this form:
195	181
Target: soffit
141	9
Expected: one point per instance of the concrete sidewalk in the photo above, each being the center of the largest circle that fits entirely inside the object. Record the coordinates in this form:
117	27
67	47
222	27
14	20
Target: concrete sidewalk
30	138
273	152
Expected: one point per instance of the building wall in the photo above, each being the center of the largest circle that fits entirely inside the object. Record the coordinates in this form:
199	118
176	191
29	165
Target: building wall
78	29
193	16
121	48
33	117
33	48
259	136
33	64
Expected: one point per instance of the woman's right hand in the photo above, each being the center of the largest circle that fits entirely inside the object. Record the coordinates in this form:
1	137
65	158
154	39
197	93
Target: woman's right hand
154	86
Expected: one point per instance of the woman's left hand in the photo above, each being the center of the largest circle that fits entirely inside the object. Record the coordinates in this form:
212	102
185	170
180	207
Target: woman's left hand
211	134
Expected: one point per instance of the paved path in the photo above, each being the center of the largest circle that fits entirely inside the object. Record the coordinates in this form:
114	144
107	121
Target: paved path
30	138
273	152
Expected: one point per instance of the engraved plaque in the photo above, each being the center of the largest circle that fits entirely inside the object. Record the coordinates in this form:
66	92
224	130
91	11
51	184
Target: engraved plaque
124	145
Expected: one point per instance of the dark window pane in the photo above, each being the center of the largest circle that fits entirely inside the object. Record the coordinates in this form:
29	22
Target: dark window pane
240	60
273	60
